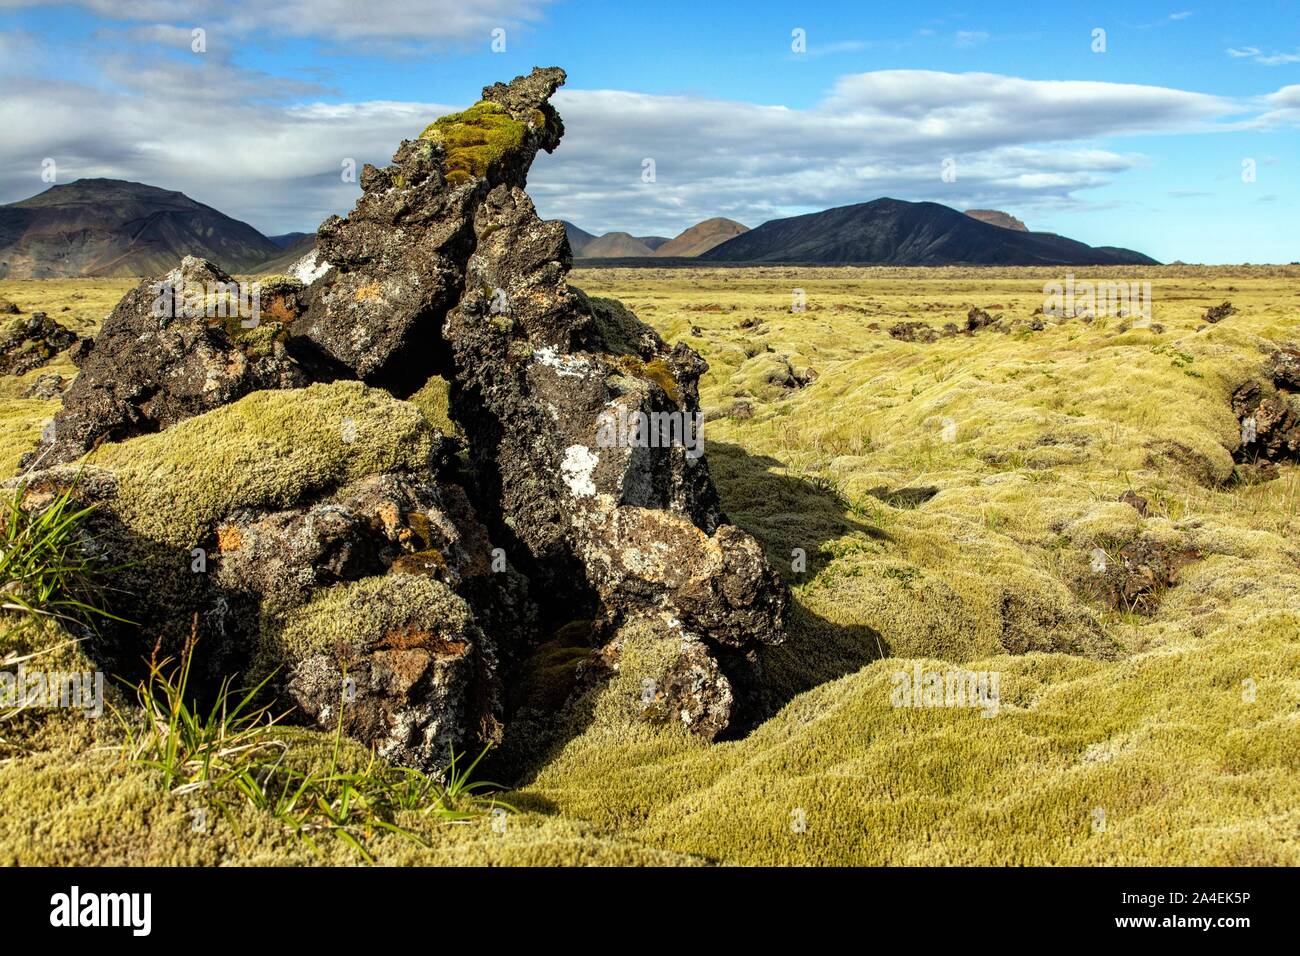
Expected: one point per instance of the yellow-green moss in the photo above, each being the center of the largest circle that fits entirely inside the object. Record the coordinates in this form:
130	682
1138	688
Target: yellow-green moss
434	400
656	371
1147	720
362	613
477	140
266	450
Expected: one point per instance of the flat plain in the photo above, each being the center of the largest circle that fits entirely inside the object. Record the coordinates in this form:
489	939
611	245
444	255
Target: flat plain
941	503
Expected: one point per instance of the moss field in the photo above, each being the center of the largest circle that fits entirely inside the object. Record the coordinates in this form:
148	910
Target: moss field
933	504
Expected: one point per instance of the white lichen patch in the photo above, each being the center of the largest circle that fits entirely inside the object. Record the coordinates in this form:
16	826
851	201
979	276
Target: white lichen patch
309	268
570	366
577	468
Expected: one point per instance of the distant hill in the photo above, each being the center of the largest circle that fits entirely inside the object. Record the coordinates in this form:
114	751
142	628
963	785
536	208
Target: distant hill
614	245
894	232
292	238
110	227
291	253
701	237
579	239
995	217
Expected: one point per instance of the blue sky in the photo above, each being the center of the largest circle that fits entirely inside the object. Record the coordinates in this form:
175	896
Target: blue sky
1142	145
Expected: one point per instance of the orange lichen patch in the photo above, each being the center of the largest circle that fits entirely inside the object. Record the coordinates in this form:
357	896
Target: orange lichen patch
279	308
408	638
229	539
390	518
368	292
405	667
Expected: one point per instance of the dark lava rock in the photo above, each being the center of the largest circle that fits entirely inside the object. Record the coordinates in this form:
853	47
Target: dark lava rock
1270	423
399	258
1284	367
46	386
977	319
173	348
1134	500
29	343
1217	313
1135	576
584	458
913	332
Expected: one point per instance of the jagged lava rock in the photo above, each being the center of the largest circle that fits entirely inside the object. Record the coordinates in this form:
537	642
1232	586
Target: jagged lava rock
30	343
398	259
445	241
170	349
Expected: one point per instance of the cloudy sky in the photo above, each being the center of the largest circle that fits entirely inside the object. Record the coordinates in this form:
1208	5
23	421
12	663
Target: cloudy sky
1174	130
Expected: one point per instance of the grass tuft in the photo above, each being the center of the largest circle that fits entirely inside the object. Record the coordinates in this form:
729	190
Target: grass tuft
235	755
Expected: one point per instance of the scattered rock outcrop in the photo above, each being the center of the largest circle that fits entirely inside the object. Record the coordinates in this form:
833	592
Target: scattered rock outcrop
31	342
1269	413
1133	576
1217	313
1270	423
319	538
47	386
1284	368
322	530
173	348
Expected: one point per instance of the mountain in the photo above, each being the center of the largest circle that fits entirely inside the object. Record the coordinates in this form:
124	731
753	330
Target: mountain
110	227
894	232
614	245
622	245
281	263
291	239
579	239
995	217
701	237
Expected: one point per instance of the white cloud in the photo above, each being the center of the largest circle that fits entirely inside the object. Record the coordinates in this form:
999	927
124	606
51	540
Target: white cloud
351	21
269	150
1259	56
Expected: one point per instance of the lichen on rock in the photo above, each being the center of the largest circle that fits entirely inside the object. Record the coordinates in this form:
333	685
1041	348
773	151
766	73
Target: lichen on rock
267	483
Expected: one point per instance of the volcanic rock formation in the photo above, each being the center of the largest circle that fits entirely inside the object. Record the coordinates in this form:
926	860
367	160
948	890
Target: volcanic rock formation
321	530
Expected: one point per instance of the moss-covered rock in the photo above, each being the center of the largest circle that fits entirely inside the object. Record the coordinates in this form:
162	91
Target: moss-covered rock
401	655
476	142
270	449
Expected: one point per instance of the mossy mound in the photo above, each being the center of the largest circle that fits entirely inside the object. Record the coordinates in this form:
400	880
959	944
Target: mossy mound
269	449
369	612
1175	757
477	141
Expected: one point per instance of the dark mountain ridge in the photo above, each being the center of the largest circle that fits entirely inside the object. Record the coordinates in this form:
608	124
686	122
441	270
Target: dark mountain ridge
895	232
111	227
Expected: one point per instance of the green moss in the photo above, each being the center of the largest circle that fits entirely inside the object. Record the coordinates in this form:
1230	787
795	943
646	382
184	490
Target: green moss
21	423
656	371
363	613
434	400
477	140
267	450
620	330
